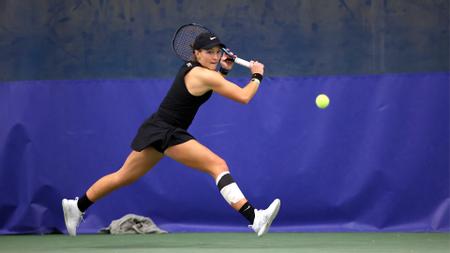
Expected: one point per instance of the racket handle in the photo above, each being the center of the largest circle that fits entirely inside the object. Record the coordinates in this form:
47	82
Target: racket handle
237	60
242	62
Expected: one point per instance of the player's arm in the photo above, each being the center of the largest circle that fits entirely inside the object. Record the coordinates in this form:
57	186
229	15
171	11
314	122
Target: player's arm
220	85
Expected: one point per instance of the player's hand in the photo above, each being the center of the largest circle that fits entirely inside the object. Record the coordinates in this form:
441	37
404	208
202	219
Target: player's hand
256	67
227	61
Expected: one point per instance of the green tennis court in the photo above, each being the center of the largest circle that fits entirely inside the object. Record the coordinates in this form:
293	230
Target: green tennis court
231	242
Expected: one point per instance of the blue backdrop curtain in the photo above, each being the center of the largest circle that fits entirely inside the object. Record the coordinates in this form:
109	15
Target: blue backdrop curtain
375	160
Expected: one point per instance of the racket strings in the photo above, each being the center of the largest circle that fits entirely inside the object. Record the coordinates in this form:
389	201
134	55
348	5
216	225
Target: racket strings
184	40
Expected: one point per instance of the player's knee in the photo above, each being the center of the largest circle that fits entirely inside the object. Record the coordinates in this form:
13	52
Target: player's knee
123	179
219	166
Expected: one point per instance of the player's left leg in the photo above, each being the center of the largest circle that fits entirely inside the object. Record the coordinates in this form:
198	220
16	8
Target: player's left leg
135	166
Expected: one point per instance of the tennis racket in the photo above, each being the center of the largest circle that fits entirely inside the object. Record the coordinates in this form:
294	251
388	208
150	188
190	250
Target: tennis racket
184	39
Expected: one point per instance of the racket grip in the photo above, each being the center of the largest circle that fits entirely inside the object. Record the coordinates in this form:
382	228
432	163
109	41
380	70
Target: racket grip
242	62
237	60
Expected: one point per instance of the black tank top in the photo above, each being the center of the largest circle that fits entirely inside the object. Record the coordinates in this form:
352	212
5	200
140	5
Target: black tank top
179	106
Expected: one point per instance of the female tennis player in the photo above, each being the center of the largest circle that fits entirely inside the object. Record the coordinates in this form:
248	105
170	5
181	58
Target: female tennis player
165	134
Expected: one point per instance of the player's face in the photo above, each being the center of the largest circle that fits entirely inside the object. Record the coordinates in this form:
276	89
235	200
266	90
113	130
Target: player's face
209	58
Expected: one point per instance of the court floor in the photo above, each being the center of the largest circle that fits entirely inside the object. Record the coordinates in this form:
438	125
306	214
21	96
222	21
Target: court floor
231	242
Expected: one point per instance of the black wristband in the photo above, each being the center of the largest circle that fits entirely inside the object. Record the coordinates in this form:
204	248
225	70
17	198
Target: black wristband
224	71
257	76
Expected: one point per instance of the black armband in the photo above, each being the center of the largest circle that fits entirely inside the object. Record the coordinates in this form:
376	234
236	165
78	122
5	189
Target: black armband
257	76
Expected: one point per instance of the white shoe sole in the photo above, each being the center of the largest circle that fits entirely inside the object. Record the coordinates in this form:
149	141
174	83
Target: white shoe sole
266	227
64	207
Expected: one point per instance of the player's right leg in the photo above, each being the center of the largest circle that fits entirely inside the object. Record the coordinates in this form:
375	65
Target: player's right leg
195	155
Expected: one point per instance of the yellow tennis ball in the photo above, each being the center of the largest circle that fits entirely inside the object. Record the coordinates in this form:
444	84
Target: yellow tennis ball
322	101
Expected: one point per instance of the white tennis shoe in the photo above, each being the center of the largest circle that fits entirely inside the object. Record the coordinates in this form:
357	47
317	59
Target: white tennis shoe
264	218
72	215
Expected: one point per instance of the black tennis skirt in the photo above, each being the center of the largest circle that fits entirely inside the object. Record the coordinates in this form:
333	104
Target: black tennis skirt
159	134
